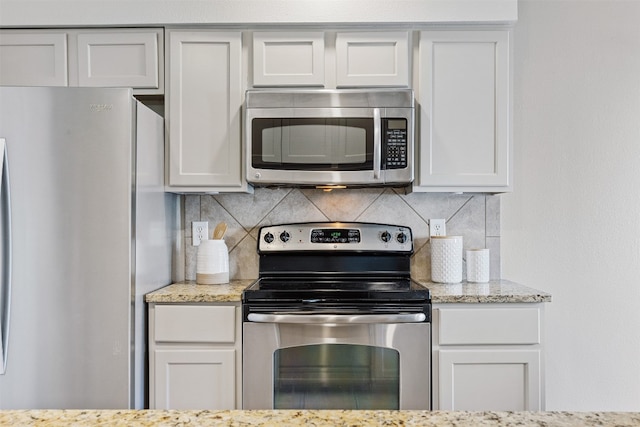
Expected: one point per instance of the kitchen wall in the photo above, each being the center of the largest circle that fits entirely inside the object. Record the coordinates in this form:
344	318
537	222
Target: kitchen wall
572	225
475	217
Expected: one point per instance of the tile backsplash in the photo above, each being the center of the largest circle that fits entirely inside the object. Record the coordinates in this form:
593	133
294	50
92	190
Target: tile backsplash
476	217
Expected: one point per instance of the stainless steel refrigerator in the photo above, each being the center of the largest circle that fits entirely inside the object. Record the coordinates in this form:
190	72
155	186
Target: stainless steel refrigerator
86	231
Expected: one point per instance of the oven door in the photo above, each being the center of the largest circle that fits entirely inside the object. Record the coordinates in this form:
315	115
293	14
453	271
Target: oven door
336	362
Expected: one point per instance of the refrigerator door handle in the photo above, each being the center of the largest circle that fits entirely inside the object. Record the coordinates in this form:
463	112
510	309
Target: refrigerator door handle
5	255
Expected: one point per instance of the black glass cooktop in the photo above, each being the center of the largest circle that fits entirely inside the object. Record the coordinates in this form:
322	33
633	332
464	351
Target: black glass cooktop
336	289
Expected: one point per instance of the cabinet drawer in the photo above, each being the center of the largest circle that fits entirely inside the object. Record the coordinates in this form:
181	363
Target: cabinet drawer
489	326
194	323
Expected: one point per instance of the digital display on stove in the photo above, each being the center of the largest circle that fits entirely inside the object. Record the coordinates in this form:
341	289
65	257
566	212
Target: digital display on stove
335	235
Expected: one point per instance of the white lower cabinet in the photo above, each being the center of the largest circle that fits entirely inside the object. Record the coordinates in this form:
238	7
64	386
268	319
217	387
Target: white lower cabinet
195	356
488	357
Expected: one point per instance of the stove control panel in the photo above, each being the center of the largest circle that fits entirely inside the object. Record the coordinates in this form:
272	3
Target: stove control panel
335	236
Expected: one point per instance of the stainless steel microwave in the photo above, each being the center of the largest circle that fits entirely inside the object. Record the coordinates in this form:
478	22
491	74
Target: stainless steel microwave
329	138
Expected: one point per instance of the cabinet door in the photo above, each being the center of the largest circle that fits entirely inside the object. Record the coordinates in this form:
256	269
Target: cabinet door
465	120
120	59
288	59
194	379
372	59
204	102
489	380
33	58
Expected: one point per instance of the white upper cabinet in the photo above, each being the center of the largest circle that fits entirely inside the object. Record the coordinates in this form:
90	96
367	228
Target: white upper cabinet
33	58
203	107
288	59
87	58
465	111
108	59
328	59
372	59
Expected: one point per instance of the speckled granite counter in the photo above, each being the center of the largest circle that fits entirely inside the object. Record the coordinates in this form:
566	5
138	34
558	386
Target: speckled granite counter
497	291
53	418
192	292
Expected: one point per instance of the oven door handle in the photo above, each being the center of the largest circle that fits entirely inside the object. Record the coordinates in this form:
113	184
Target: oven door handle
337	318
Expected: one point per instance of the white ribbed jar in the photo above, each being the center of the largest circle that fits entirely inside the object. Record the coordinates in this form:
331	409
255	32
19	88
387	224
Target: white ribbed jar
212	262
478	263
446	259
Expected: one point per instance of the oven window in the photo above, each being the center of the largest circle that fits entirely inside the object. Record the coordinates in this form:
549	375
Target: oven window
336	376
312	143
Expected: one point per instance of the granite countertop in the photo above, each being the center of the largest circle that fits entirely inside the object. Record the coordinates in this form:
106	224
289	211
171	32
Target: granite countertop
192	292
133	418
496	291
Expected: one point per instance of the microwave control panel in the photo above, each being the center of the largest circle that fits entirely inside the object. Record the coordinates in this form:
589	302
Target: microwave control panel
395	143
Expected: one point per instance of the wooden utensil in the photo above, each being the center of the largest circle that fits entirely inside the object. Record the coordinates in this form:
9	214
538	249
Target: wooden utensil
218	232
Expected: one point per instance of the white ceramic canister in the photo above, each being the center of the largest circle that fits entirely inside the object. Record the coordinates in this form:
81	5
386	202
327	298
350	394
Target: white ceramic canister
212	262
446	259
478	262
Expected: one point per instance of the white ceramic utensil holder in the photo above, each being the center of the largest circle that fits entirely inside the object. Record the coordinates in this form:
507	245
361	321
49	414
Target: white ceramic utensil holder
212	263
446	259
478	265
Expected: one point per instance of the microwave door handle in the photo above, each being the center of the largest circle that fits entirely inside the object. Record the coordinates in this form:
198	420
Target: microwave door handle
377	143
340	319
5	256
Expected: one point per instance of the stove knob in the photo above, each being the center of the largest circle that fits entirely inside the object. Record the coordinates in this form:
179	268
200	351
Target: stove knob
401	238
284	236
385	236
268	238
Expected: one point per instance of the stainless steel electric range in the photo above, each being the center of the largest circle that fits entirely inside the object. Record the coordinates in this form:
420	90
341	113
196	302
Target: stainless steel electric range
335	321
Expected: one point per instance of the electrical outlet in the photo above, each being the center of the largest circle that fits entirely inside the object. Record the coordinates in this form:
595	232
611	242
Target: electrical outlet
199	232
437	227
